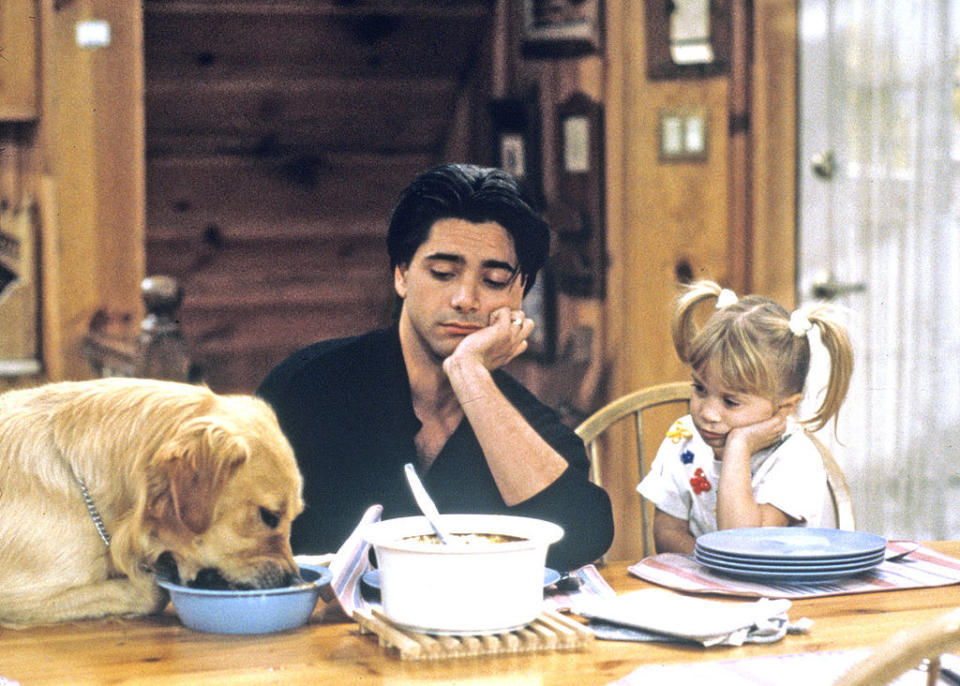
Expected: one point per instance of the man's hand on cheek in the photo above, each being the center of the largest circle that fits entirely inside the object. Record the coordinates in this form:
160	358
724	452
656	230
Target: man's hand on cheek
502	340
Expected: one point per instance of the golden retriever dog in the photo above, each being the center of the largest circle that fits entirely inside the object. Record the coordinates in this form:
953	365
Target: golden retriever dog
106	483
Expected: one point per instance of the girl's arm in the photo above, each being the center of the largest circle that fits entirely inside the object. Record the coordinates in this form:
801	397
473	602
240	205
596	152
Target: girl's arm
672	534
736	505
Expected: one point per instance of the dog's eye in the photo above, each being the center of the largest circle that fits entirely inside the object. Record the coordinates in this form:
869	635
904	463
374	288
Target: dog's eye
269	518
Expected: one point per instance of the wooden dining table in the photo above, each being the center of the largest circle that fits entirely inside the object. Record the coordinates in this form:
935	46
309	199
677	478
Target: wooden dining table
159	650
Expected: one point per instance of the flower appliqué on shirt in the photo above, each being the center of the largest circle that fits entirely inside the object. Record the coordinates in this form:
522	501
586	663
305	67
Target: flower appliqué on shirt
686	457
699	482
678	432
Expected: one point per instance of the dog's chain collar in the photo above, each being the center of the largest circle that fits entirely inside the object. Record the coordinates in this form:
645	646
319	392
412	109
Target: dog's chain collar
92	509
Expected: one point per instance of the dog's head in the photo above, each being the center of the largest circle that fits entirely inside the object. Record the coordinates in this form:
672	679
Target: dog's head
221	494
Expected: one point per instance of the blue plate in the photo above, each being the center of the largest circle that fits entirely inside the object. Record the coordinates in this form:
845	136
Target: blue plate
808	576
781	564
791	543
372	578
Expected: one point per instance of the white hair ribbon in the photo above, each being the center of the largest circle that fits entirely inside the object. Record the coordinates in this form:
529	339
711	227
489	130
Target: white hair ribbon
726	298
799	323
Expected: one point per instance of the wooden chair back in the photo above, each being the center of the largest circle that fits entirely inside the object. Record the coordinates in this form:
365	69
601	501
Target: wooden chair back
837	486
632	406
908	649
635	404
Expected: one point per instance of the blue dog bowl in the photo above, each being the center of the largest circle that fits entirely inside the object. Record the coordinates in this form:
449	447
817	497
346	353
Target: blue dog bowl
260	611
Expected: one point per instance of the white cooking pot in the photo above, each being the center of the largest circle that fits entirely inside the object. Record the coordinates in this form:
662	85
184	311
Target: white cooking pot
462	588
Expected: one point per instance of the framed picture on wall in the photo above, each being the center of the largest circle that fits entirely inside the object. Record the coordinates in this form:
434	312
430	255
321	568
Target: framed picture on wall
515	147
561	28
687	38
577	212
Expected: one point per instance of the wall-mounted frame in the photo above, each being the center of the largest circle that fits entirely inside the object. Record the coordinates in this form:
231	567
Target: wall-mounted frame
561	28
577	213
515	144
687	38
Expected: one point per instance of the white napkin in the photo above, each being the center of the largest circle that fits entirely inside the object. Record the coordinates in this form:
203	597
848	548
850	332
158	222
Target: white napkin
708	622
347	566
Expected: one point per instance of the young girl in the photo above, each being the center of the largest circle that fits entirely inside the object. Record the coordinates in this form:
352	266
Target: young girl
740	459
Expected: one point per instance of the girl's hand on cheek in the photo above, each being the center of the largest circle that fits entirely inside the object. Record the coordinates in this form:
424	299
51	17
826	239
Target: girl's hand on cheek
754	437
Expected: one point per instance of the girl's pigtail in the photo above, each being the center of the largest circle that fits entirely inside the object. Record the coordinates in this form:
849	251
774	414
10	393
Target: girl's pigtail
836	340
682	327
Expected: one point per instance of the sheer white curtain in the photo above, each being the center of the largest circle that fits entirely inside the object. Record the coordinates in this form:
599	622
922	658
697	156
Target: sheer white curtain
891	220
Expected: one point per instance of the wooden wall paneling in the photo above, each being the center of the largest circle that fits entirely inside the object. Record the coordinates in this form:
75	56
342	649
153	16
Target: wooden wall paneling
293	39
671	215
279	137
623	46
119	140
232	342
273	254
70	259
91	138
19	86
51	257
460	141
242	115
620	46
773	249
663	215
295	197
677	215
466	133
740	156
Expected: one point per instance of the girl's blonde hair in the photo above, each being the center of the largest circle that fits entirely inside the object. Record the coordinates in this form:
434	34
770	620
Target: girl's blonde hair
753	346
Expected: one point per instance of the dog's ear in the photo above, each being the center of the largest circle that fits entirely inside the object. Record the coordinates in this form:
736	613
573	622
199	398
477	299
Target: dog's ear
193	469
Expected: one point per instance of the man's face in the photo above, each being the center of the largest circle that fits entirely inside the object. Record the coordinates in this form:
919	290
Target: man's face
455	279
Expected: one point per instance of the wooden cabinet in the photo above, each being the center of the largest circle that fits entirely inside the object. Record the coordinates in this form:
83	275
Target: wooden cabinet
89	181
18	60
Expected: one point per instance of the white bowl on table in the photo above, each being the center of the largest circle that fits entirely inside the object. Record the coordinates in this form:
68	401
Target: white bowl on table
478	587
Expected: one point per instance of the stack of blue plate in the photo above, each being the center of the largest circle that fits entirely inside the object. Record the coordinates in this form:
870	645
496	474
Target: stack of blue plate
790	553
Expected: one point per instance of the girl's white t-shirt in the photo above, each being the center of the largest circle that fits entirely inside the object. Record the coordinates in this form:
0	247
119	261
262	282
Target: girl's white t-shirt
683	478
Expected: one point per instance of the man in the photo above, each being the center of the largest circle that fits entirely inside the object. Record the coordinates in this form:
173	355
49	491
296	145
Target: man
464	248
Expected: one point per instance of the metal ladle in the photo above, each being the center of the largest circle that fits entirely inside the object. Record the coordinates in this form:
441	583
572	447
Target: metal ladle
426	504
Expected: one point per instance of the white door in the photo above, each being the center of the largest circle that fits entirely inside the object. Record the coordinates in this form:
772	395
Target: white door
879	233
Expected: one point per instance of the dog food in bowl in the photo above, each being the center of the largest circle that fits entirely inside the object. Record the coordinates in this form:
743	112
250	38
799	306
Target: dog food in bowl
258	611
491	584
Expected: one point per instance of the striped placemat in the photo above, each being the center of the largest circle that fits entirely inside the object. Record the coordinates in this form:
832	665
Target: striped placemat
921	569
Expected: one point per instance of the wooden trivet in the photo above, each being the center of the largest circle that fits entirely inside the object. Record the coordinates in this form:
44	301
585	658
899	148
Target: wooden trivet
549	631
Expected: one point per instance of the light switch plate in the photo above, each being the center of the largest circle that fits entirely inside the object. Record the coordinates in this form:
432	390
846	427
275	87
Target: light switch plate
683	134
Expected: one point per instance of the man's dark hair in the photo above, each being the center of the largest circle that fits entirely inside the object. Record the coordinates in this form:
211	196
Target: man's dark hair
474	194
